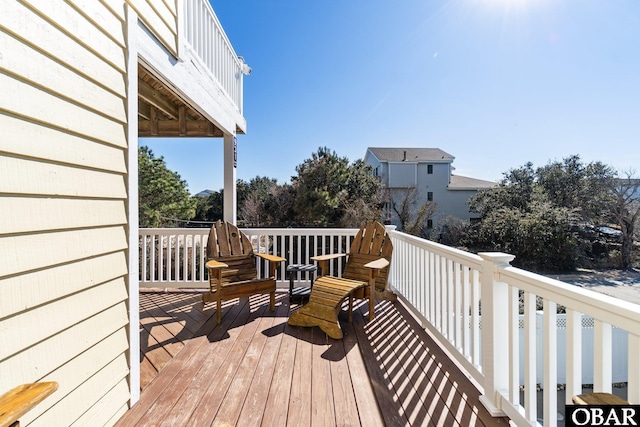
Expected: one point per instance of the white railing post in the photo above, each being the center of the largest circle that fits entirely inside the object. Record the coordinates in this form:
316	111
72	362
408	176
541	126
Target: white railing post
494	297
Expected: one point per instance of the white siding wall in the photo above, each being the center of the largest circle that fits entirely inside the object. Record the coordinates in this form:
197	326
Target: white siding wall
450	203
402	175
63	195
159	16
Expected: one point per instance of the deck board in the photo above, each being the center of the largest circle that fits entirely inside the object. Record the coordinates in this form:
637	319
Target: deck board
255	370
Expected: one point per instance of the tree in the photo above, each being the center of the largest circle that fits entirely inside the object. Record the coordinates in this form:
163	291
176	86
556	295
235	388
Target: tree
411	215
533	214
162	195
209	209
625	212
327	188
268	204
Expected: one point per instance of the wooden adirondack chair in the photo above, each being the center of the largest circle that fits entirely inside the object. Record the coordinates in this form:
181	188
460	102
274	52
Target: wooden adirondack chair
365	275
232	267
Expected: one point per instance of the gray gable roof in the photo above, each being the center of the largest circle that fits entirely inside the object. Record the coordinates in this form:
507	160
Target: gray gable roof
458	182
412	154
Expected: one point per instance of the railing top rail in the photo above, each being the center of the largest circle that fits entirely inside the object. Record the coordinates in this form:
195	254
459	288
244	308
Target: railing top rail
465	258
319	231
615	311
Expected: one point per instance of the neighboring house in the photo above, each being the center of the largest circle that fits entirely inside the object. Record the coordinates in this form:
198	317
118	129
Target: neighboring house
430	172
80	82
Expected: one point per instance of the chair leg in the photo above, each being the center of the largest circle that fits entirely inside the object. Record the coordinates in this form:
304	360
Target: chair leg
272	300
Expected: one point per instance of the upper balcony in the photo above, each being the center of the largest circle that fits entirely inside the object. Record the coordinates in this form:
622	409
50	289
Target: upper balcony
190	79
470	338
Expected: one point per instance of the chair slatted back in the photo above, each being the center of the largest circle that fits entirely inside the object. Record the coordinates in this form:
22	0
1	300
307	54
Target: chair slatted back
229	245
371	243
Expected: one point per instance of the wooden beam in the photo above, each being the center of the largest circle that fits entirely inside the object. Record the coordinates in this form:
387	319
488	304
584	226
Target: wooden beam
153	97
144	110
171	128
154	120
182	120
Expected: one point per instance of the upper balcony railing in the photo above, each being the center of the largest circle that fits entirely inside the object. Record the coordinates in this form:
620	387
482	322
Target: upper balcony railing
209	43
482	310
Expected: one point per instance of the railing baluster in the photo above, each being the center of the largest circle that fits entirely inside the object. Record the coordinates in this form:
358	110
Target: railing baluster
573	364
633	382
514	345
530	401
550	364
601	356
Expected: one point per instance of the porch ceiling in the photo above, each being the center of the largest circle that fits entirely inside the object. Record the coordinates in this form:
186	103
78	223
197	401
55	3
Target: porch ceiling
162	113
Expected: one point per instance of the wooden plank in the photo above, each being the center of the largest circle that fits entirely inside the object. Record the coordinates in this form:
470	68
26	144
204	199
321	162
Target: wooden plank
27	328
467	393
187	325
158	336
41	106
255	404
54	214
277	406
55	78
25	291
27	139
322	399
187	366
225	376
299	411
238	393
171	128
39	33
82	31
390	407
186	304
346	408
156	99
20	400
57	248
368	410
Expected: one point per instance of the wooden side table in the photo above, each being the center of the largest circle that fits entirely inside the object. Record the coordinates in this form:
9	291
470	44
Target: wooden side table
294	269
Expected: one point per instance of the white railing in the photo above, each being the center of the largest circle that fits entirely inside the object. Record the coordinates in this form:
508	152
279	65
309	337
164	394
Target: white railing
175	257
482	310
209	43
445	287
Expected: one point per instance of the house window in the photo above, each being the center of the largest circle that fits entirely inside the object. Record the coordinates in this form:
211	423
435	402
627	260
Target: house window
429	223
430	169
430	196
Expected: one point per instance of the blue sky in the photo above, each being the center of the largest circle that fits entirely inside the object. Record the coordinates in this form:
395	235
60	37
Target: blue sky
495	83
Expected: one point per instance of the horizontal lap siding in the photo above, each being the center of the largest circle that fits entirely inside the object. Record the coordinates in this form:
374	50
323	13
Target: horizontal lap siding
160	18
63	194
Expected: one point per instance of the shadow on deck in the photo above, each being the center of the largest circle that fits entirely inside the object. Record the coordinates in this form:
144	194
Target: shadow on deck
254	369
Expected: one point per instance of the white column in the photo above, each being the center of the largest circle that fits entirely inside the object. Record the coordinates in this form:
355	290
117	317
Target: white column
132	202
495	332
230	193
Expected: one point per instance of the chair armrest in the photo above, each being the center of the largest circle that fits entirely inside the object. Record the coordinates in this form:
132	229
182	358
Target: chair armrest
271	258
22	399
326	257
378	264
215	264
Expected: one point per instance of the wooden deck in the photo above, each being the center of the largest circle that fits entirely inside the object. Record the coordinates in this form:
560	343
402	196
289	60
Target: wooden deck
255	370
